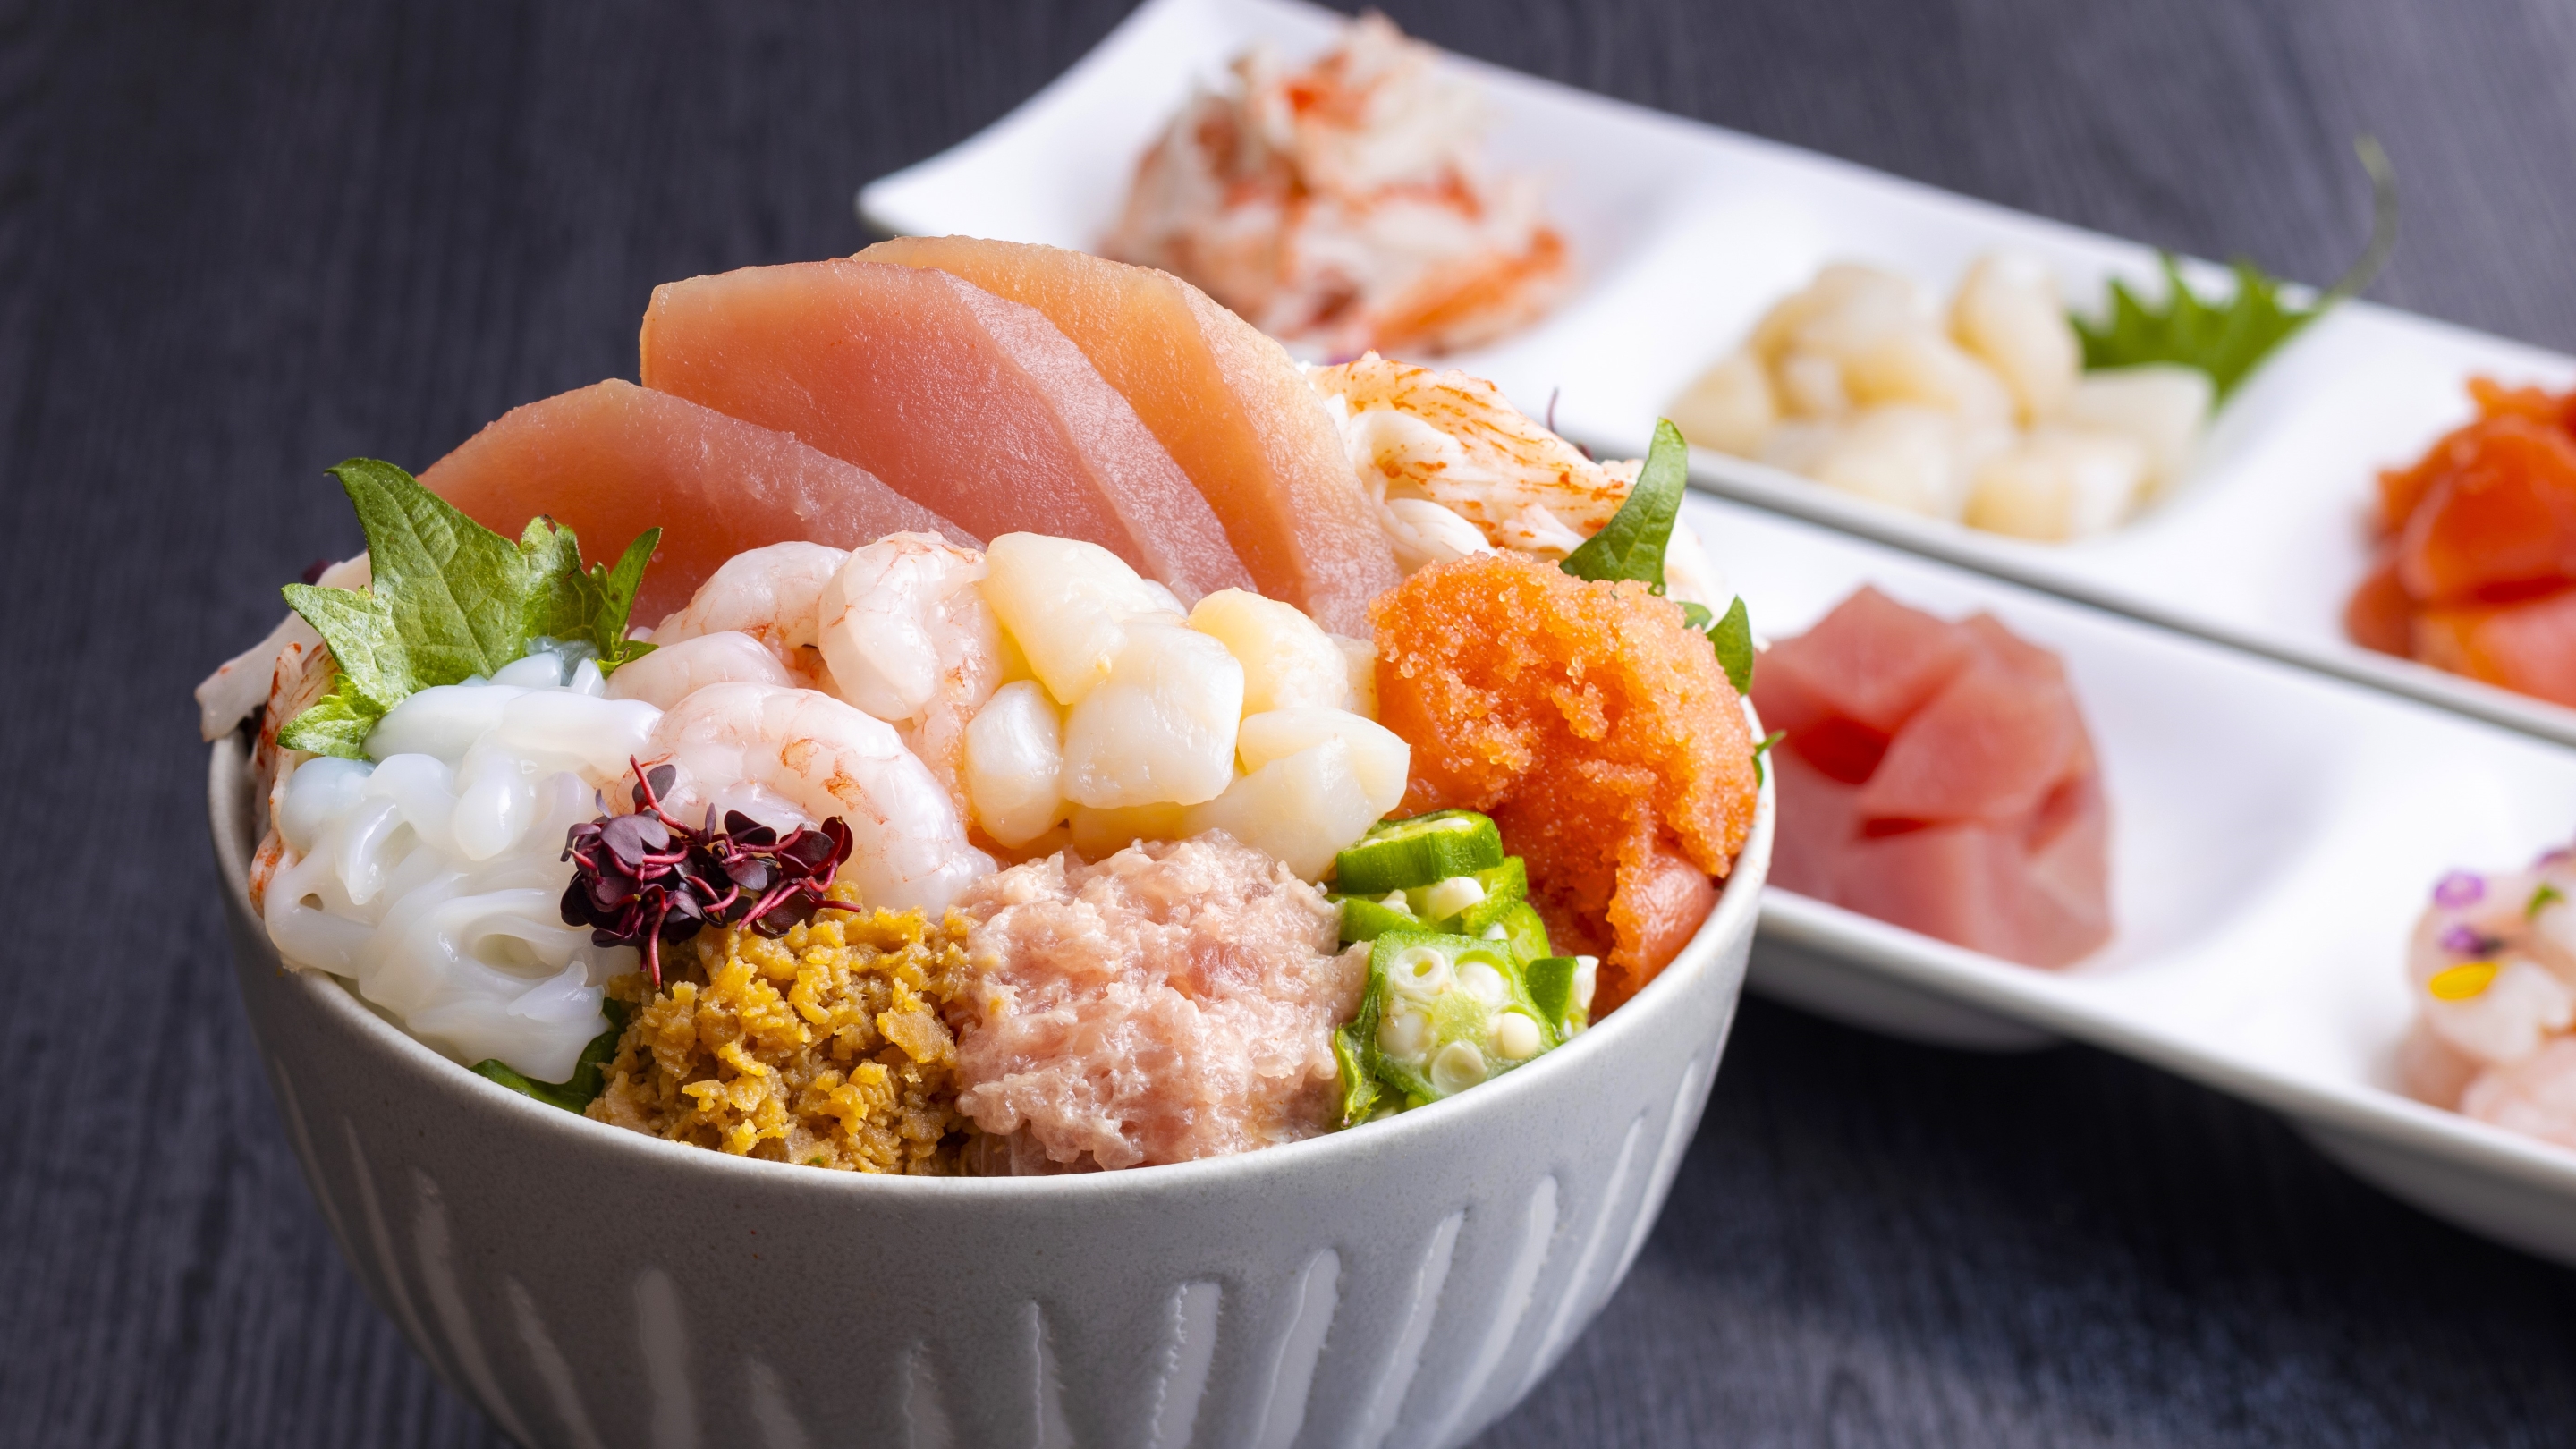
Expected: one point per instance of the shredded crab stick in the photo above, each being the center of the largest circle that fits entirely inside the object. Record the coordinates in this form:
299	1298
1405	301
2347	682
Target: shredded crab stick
1343	206
944	391
1455	470
1227	401
611	460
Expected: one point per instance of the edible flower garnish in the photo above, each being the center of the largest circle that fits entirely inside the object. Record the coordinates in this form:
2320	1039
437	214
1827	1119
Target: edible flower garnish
450	600
2459	889
2228	339
645	878
2464	982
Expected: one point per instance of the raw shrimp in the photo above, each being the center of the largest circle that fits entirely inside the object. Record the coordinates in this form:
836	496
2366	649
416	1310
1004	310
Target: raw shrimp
1458	470
768	593
823	758
674	671
910	640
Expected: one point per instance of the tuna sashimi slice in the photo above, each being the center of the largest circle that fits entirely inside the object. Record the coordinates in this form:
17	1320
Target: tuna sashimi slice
612	459
1228	402
1972	885
1990	746
2505	522
1819	819
1954	882
2067	913
2528	647
1842	688
971	405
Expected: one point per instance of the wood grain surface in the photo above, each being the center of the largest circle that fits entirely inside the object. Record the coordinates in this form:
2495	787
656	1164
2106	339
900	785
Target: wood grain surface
241	240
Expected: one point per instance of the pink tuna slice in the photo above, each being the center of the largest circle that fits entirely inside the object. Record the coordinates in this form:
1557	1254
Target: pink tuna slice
611	460
1990	746
1842	688
966	403
1818	821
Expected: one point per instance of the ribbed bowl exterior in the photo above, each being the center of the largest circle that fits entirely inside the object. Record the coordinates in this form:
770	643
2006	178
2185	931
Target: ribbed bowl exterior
595	1289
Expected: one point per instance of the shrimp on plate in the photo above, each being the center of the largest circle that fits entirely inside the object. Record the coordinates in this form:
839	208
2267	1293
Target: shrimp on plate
1457	470
790	757
1343	206
770	595
2492	965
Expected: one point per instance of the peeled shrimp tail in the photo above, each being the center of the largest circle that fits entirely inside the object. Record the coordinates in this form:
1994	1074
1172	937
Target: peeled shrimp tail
826	758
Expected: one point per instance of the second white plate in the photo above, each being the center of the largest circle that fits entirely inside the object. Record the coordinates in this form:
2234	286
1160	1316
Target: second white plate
2275	833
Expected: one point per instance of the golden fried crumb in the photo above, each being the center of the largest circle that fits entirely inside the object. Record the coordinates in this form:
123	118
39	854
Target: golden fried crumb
823	1047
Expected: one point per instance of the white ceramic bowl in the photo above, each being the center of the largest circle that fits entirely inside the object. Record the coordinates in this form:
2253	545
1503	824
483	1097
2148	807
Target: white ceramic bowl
591	1287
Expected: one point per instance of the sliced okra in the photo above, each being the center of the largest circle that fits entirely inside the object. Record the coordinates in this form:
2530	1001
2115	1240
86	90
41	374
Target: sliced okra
1451	1012
1418	851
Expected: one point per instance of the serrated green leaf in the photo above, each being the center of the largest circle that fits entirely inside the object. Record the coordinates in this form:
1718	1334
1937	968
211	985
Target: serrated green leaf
1733	636
363	639
336	724
2228	338
1631	544
450	600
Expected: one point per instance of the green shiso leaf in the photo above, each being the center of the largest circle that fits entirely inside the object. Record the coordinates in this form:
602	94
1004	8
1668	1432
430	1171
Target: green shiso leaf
2228	338
450	600
1631	544
588	1073
1733	636
1764	748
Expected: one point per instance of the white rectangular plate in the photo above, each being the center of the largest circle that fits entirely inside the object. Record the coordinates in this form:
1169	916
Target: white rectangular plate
2277	828
2275	833
1686	233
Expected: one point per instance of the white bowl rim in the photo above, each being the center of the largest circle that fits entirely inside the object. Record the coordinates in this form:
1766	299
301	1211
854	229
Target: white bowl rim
1737	912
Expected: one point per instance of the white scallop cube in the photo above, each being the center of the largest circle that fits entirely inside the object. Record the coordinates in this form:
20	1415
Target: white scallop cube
1288	661
1014	764
1379	756
2164	407
1304	808
2006	311
1065	603
1160	726
2058	484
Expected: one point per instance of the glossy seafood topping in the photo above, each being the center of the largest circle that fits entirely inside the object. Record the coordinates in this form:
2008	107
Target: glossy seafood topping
2476	565
1344	206
1940	777
1595	726
1176	1000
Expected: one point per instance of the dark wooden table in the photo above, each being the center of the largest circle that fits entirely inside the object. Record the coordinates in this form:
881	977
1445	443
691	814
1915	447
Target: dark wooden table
239	241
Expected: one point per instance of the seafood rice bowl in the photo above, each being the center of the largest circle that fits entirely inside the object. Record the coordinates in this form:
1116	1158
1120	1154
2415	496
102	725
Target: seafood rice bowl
1136	799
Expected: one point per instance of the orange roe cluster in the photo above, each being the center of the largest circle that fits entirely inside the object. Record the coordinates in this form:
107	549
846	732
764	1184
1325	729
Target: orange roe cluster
1595	726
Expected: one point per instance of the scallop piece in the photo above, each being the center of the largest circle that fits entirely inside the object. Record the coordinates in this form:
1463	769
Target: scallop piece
1811	386
1066	604
1729	407
1902	455
1014	764
2165	407
1800	444
1288	660
1839	314
1379	755
1097	833
1919	365
1160	728
1303	808
2058	484
2007	312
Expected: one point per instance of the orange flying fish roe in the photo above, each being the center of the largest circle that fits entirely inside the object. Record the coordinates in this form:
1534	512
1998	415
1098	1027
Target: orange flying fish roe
1594	725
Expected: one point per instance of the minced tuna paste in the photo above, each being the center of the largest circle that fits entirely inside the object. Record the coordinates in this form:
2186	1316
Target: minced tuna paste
1176	1000
825	1046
